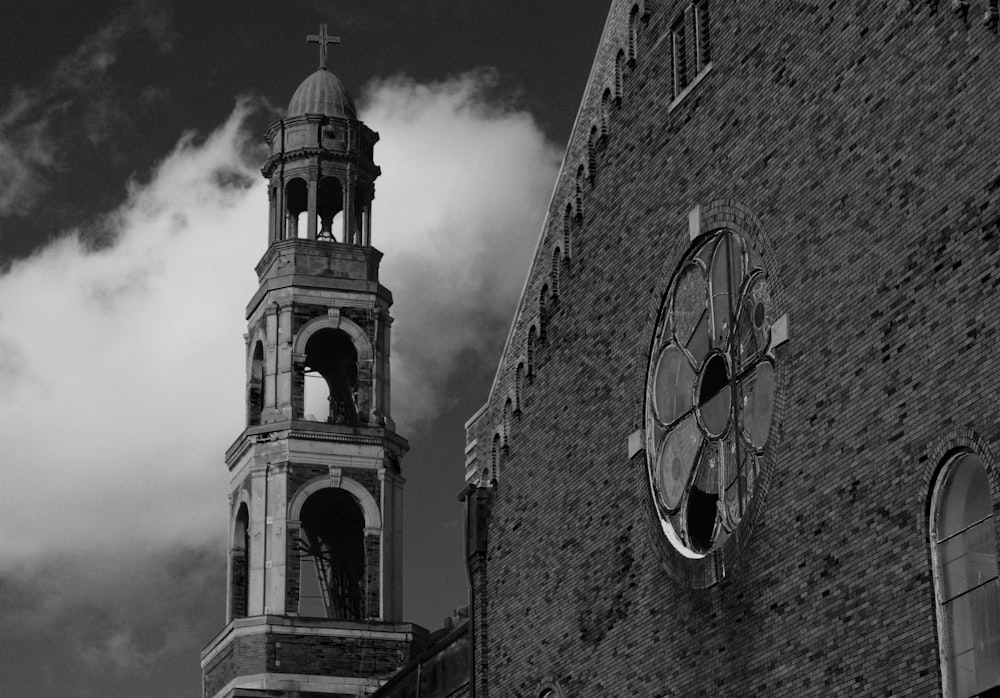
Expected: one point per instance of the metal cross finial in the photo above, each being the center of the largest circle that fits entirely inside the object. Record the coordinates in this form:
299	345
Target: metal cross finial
322	39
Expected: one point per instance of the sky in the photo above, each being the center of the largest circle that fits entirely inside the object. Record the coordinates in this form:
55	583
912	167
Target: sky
132	213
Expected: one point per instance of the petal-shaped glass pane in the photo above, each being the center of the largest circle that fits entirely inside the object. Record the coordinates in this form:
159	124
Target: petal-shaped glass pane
754	321
699	344
732	505
702	518
748	480
729	481
757	397
689	302
673	385
675	459
726	275
709	471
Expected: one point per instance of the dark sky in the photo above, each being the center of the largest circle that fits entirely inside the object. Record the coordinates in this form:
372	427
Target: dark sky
95	98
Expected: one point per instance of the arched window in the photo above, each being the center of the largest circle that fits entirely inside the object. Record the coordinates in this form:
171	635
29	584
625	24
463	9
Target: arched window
965	570
633	35
330	383
331	554
554	274
580	174
543	301
296	201
567	218
508	410
518	387
592	151
240	565
255	389
619	70
605	112
495	457
532	339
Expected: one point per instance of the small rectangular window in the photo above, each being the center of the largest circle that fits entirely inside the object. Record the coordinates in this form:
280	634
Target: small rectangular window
679	57
703	42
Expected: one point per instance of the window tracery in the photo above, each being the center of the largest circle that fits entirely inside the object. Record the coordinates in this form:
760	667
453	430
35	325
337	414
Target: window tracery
710	393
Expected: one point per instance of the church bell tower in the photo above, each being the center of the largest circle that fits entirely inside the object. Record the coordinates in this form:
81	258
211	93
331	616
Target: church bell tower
314	600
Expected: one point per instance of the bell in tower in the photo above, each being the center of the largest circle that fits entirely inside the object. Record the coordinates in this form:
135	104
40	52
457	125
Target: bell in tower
315	561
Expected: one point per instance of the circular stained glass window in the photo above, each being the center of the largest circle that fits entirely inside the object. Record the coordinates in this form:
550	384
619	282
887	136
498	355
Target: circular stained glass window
710	393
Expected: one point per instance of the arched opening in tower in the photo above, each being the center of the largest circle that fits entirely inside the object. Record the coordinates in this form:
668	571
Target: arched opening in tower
255	389
329	209
331	553
296	201
240	564
331	378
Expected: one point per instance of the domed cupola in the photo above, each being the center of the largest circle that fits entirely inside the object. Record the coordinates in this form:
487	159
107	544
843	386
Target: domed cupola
320	164
321	93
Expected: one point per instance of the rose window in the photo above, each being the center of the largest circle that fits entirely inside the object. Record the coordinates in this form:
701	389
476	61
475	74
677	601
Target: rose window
710	393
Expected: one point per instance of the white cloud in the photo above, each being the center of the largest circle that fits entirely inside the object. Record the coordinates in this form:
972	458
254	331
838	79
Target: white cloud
125	382
122	369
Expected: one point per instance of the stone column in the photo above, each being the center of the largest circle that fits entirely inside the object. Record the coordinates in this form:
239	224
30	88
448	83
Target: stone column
311	207
350	229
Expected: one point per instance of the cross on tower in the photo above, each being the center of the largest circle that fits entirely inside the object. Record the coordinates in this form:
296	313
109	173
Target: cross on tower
322	39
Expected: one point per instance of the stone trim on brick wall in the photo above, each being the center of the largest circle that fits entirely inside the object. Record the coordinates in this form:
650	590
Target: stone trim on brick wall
359	337
373	517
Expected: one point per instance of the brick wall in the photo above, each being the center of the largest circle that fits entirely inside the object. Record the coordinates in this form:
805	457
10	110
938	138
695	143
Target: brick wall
864	137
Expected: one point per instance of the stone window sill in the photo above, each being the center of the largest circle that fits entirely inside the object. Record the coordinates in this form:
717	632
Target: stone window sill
687	90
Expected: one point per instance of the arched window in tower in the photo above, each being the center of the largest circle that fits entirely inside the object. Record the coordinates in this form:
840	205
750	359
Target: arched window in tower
554	274
329	207
619	71
633	34
296	201
532	340
255	389
518	388
330	382
240	565
965	567
331	554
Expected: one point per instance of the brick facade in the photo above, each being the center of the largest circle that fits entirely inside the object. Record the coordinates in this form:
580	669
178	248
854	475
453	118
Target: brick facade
863	137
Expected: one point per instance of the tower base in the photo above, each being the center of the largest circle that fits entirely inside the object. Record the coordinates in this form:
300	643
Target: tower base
293	657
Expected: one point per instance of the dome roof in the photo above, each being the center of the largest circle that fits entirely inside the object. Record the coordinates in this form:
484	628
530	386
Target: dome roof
321	93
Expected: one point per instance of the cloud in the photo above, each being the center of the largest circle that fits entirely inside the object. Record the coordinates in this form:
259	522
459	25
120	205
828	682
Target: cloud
74	104
122	368
124	372
458	208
